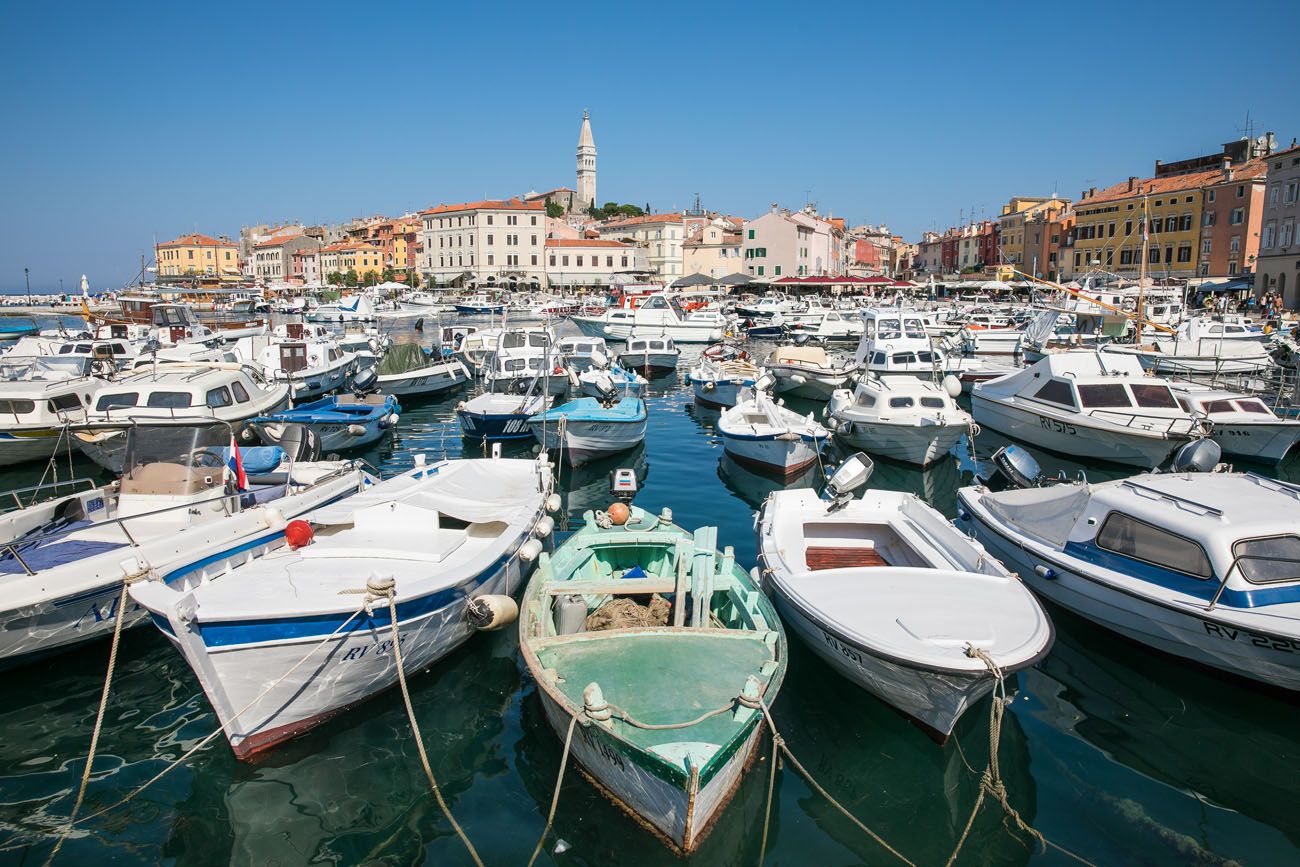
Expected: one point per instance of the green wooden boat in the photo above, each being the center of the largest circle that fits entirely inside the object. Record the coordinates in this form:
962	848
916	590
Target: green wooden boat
662	648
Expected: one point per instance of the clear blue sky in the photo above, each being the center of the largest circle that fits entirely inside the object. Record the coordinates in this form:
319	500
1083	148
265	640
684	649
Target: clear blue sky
126	122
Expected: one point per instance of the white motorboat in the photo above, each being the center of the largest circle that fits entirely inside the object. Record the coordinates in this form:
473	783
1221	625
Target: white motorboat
768	306
179	393
490	417
893	597
584	429
1088	404
428	302
406	369
650	356
612	382
899	417
1244	426
895	342
307	358
584	353
356	308
762	434
438	537
39	396
1201	565
659	316
808	371
985	334
723	371
177	511
1198	347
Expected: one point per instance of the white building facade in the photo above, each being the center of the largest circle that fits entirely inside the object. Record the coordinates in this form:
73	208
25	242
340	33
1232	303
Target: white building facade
661	237
713	251
782	243
576	262
488	243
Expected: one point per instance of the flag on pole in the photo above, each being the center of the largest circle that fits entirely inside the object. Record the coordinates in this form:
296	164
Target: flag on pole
235	466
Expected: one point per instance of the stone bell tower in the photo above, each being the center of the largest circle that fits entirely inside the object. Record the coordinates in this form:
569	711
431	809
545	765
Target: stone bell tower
586	165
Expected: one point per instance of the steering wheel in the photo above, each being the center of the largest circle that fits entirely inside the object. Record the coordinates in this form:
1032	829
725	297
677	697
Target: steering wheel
206	460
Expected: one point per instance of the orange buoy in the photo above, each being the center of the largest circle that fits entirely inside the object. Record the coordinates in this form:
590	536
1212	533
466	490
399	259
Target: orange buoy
618	514
298	534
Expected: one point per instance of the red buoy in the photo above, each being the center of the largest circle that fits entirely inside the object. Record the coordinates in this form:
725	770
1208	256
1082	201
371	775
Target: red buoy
298	534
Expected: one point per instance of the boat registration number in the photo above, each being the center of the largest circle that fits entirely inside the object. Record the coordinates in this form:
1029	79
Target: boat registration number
1059	426
841	648
1284	645
380	648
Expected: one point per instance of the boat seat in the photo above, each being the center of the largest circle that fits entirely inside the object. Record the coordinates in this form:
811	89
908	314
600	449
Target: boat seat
819	558
171	479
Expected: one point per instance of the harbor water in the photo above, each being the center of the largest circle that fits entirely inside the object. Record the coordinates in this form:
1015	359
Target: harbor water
1114	752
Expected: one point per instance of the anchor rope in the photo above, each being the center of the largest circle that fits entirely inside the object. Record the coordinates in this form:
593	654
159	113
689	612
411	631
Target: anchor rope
771	786
555	798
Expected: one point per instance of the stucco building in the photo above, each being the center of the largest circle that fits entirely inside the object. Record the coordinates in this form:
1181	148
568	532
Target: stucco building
1277	268
575	262
660	235
487	243
197	255
713	251
783	243
273	257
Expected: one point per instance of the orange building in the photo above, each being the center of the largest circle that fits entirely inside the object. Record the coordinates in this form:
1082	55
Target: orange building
197	255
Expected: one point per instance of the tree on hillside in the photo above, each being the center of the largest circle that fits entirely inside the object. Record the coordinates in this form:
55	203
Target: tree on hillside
554	210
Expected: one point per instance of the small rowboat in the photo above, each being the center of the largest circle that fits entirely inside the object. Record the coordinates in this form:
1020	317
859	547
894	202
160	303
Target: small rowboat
584	429
764	435
665	698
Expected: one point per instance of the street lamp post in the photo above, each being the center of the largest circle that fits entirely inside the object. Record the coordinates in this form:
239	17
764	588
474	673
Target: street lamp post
27	277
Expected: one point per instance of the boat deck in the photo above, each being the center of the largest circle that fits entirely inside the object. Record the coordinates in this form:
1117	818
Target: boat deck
819	558
664	676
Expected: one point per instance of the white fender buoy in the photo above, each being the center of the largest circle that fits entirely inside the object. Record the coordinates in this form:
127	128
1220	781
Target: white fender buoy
553	503
491	611
952	385
529	550
274	519
798	379
544	527
356	430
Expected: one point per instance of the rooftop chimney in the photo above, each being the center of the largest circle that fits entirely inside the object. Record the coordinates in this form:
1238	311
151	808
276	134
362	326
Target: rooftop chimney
1227	167
1132	182
774	206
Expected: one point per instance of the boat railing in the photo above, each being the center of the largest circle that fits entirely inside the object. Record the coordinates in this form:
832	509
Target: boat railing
35	490
1148	422
1181	502
1235	566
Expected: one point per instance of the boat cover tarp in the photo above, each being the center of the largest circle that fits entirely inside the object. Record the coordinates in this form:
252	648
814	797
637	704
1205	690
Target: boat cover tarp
470	490
55	553
403	358
1046	514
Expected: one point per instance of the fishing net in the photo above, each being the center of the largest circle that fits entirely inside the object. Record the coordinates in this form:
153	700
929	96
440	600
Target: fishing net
625	613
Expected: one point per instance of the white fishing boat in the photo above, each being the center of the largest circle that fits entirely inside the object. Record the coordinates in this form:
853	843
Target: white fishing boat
1201	565
1088	404
893	597
584	429
490	417
1244	426
306	357
650	356
428	302
439	537
178	394
583	353
762	434
722	372
39	396
406	369
899	417
895	342
808	371
660	316
177	511
612	382
355	308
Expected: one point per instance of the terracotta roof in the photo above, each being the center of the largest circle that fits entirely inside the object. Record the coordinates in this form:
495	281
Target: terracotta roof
1173	183
344	246
278	240
515	204
641	221
194	239
584	242
535	196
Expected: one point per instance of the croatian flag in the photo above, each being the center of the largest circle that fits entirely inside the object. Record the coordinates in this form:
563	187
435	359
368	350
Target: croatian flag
235	466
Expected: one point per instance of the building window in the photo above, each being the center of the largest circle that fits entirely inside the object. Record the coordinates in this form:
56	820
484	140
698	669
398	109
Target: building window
1185	223
1266	241
564	260
579	261
1205	247
778	270
489	239
533	223
1207	219
534	257
1284	237
1211	197
760	270
552	260
1205	269
491	259
489	222
1185	253
1237	215
1274	190
1232	268
1241	191
609	261
751	234
1292	191
1235	245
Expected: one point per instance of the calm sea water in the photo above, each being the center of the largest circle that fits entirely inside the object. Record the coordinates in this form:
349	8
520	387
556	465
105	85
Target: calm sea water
1114	752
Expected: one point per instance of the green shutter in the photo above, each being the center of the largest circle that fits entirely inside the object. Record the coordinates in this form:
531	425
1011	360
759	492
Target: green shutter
751	234
778	270
760	270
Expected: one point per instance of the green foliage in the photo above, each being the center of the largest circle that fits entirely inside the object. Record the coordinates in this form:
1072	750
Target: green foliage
350	278
554	210
614	209
334	278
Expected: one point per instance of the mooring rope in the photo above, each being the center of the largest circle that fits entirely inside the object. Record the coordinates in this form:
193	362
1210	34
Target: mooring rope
555	798
771	787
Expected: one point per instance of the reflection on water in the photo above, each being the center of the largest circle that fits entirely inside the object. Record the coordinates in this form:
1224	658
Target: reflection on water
1120	754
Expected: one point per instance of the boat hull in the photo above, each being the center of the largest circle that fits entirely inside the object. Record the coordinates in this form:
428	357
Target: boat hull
434	379
595	326
581	442
677	815
773	454
1066	438
1191	633
720	394
306	385
494	427
808	384
933	699
650	365
913	444
20	446
1266	443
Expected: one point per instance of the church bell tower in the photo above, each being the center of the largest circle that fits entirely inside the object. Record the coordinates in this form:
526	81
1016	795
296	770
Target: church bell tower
586	165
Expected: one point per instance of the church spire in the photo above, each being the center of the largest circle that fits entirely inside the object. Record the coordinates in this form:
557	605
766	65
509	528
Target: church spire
586	164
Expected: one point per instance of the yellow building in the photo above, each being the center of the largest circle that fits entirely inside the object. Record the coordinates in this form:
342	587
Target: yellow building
362	258
1108	226
1013	249
196	255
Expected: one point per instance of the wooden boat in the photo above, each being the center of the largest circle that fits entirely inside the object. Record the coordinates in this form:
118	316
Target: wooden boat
585	429
706	641
762	434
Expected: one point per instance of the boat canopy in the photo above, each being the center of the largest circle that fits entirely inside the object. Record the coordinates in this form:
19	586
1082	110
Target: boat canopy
402	358
1046	514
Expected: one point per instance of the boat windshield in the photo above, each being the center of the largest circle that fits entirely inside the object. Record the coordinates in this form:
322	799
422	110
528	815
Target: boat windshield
35	368
188	445
914	328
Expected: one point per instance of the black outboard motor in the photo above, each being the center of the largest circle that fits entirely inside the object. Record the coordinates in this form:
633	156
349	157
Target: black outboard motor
1198	456
365	380
1013	467
300	443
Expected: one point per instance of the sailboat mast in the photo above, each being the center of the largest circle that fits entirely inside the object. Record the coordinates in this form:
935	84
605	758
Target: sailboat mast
1142	272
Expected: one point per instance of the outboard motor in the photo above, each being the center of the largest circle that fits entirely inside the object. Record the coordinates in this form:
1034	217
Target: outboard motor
365	380
850	475
1198	456
1013	467
300	443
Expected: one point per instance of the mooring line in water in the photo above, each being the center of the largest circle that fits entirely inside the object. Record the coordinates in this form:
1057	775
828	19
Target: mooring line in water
378	588
785	751
771	786
207	739
99	715
555	798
